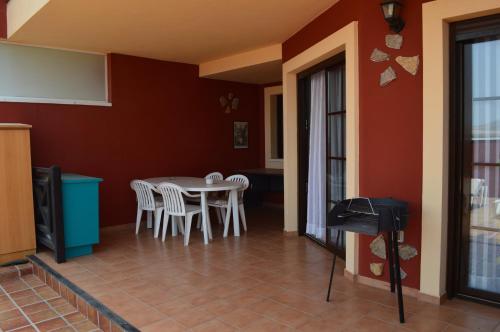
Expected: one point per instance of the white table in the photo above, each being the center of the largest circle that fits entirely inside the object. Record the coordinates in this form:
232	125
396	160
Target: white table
193	184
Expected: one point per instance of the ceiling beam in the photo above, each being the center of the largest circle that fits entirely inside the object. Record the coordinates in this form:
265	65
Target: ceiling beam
242	60
21	11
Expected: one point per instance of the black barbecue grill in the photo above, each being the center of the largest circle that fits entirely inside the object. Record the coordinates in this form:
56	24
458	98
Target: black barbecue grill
372	216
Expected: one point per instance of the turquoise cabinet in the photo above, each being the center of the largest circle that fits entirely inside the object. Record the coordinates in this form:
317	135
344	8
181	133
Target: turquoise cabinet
80	200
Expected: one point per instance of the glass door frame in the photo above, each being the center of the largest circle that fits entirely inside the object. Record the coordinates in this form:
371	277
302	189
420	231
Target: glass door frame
462	33
303	114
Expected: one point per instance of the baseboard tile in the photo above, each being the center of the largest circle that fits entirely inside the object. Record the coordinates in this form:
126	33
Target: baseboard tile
350	276
408	291
115	228
431	298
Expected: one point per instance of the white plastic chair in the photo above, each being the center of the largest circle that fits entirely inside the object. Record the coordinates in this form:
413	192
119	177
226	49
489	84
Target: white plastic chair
479	192
214	176
245	184
175	206
223	203
146	201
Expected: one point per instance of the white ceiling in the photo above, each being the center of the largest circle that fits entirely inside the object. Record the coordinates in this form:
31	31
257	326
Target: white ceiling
189	31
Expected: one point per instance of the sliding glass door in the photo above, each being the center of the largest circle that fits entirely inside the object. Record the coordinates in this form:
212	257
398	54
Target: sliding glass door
336	154
476	186
322	155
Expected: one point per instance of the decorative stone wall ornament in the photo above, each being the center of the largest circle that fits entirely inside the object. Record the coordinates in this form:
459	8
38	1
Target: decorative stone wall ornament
229	103
407	252
377	247
394	41
409	63
235	103
377	269
387	76
379	56
403	274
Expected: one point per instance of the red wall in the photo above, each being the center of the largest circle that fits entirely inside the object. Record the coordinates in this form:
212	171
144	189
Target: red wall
390	117
3	19
165	120
336	17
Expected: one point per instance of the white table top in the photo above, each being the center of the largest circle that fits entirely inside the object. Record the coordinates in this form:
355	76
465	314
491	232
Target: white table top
195	184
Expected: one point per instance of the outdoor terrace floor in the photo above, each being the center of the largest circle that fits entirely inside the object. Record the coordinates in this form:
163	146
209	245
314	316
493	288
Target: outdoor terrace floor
29	305
263	281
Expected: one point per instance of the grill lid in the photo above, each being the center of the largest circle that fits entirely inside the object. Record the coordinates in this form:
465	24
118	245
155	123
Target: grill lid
369	216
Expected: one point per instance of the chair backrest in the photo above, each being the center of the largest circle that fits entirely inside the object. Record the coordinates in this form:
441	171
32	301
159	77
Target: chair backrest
172	198
476	185
145	197
240	179
215	176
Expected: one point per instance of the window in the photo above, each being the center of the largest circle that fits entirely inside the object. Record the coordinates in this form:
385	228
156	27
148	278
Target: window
277	127
273	108
36	74
336	155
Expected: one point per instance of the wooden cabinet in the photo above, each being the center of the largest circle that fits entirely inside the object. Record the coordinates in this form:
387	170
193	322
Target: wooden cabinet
17	225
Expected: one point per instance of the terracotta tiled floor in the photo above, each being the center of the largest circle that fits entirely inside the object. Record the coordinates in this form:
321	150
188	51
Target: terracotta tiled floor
27	304
262	281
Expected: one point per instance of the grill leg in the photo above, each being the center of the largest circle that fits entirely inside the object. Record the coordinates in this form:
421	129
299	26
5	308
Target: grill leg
333	269
398	278
391	260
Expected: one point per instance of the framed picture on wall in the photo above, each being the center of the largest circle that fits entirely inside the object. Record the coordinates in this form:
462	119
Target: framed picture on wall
240	135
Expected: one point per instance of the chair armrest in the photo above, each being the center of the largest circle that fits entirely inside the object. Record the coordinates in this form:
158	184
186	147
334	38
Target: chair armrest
191	195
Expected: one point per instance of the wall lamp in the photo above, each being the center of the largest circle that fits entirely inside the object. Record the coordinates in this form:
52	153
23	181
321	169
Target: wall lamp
392	14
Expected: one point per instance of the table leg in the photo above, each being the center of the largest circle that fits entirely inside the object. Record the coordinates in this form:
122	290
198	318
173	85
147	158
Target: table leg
209	224
227	216
236	217
204	216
